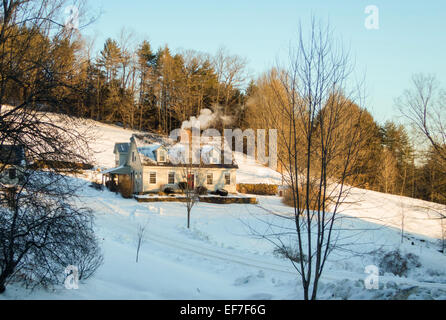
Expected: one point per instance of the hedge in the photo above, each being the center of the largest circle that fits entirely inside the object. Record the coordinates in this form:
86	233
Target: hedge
258	189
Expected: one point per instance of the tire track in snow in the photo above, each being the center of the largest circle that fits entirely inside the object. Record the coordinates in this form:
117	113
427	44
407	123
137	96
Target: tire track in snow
200	250
263	265
204	251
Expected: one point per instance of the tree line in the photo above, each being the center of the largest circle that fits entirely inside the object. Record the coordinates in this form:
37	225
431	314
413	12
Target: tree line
136	87
389	160
156	90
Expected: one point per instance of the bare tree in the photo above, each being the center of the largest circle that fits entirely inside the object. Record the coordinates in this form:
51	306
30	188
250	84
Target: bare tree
231	73
46	137
423	105
443	233
320	136
192	176
41	229
41	233
140	238
403	220
388	170
187	155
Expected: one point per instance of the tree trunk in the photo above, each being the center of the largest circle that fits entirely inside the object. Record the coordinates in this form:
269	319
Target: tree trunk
188	218
3	278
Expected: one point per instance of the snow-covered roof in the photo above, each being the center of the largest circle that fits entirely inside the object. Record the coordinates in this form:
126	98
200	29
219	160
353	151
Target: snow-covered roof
207	148
177	153
122	147
150	139
149	151
148	144
122	169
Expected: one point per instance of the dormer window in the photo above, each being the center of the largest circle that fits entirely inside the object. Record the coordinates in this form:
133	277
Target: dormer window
162	156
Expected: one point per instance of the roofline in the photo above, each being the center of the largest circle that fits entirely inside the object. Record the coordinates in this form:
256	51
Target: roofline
120	143
195	166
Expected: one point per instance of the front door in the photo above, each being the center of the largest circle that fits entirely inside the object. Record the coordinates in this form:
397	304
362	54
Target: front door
191	181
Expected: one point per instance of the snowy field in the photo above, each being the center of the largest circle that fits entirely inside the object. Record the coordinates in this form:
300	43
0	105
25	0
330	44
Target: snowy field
221	258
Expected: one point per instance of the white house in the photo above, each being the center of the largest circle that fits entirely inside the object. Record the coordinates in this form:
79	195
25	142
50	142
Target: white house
147	163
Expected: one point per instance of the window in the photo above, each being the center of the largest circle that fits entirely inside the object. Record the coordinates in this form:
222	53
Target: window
215	157
133	157
212	157
171	178
152	178
210	178
227	178
162	156
12	173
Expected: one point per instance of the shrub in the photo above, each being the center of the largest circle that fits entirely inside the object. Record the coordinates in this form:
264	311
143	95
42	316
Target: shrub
61	165
201	190
182	186
52	236
288	198
97	186
289	253
258	189
222	192
126	188
112	186
169	190
398	264
414	260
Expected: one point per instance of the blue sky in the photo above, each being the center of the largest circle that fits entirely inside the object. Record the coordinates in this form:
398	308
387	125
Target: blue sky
411	38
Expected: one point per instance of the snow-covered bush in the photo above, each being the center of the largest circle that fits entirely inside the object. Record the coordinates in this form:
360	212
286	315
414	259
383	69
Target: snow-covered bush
398	264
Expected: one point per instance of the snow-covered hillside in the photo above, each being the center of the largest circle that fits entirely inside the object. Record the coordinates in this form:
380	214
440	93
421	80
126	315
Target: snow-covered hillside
384	209
221	258
107	136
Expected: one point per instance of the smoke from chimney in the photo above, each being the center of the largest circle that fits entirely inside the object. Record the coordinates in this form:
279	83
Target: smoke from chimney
207	119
